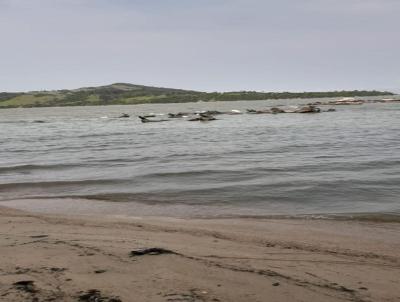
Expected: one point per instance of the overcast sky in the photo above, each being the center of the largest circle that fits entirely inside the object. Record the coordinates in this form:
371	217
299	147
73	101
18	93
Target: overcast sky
270	45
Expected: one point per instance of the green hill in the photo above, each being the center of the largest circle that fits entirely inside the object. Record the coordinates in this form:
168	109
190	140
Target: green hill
124	94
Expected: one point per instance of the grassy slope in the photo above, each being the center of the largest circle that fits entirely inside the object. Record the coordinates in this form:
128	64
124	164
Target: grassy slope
121	93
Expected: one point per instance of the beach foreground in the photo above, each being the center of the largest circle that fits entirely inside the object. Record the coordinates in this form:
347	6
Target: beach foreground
89	258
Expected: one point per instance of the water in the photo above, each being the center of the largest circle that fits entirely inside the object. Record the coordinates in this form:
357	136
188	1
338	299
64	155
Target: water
339	162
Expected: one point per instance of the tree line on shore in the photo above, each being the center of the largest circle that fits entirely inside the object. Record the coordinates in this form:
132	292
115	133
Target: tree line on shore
125	94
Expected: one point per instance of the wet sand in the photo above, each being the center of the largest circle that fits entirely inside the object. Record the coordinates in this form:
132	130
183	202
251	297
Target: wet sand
63	257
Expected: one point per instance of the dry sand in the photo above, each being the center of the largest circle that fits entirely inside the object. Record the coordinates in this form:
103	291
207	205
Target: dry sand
211	260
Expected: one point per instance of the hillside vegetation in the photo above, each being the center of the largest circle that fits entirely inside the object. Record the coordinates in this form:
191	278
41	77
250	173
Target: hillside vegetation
124	94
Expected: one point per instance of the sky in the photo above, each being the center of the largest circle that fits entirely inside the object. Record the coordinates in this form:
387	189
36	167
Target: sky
208	45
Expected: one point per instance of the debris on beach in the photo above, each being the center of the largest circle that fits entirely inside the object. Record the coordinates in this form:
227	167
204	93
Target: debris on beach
39	236
26	286
57	269
94	295
150	251
193	295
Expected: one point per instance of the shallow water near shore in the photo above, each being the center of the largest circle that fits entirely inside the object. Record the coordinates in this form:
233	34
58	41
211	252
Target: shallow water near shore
287	164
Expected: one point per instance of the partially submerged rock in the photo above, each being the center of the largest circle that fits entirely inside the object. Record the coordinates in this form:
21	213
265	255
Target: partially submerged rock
178	115
275	110
124	115
202	117
211	112
147	120
207	113
308	109
253	111
149	115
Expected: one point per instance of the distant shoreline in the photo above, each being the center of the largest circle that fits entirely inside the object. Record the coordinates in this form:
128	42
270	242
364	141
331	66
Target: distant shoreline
130	94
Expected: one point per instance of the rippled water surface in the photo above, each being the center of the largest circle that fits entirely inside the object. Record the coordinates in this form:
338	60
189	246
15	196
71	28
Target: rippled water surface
337	162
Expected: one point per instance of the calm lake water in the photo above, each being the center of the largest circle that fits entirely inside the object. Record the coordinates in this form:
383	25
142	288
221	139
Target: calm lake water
346	161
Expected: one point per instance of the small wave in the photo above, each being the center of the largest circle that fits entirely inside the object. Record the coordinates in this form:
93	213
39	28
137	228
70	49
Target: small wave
125	160
90	163
125	197
369	217
190	173
51	184
29	167
14	122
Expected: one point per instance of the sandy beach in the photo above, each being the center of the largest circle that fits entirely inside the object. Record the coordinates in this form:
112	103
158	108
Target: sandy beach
48	257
